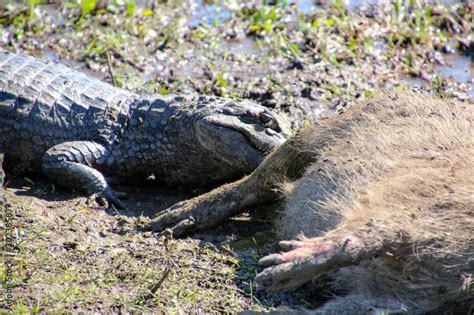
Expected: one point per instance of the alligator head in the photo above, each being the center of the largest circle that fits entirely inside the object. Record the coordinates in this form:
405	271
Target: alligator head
240	134
224	139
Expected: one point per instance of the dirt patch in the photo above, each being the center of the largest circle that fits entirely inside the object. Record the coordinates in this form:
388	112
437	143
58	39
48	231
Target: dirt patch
68	253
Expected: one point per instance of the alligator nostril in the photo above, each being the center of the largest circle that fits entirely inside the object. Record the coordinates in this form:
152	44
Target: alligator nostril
270	132
265	118
251	114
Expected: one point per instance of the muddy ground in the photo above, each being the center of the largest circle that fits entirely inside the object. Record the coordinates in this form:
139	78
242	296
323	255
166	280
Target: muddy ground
71	254
304	59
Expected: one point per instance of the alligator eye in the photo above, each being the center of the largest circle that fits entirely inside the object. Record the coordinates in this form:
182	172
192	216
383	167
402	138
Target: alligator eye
268	121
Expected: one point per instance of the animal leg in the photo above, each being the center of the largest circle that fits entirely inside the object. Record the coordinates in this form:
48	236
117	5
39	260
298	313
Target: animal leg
72	164
205	210
287	162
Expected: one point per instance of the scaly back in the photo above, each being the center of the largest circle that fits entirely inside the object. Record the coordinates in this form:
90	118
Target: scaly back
56	103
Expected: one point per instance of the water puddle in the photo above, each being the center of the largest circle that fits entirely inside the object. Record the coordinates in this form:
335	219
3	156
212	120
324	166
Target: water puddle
308	6
203	12
461	69
458	67
305	6
242	46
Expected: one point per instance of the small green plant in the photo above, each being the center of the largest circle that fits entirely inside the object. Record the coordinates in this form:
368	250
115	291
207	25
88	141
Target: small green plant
352	43
21	308
438	84
333	60
34	3
131	7
87	6
308	120
163	90
278	3
263	19
334	90
288	49
147	12
339	5
369	94
222	85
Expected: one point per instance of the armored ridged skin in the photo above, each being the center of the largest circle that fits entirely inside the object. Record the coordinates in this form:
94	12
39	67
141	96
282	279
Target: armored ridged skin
76	129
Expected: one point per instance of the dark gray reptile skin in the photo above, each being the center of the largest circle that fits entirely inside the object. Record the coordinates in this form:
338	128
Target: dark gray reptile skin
2	175
77	129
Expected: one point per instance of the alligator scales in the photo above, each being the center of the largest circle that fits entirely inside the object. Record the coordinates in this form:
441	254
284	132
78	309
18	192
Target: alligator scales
82	132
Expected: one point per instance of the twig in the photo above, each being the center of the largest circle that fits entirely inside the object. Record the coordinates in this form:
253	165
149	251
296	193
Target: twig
156	286
128	60
109	65
168	267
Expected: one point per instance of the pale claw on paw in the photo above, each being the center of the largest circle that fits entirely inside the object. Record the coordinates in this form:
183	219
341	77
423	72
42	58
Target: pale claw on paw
304	261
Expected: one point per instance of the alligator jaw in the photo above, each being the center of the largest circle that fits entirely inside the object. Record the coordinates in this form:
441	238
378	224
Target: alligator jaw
263	128
260	137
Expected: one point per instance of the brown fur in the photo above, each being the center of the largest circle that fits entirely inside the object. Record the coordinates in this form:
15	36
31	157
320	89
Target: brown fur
401	172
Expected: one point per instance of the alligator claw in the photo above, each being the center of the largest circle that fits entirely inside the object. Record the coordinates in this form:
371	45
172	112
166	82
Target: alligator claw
180	228
108	198
176	218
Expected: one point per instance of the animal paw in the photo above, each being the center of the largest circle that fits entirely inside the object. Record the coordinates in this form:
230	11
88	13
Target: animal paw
303	262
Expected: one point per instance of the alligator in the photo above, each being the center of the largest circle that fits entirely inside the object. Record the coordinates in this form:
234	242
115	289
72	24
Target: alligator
84	133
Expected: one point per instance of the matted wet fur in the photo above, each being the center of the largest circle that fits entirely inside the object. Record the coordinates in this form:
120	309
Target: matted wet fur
387	186
397	183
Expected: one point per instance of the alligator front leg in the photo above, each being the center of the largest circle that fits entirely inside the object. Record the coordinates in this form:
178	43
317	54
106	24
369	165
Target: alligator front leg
72	164
207	210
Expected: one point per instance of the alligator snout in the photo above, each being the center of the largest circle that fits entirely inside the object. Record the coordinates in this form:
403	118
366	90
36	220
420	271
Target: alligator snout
240	134
258	115
262	128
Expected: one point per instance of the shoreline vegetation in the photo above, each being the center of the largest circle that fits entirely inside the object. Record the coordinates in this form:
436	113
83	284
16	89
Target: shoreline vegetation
302	64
